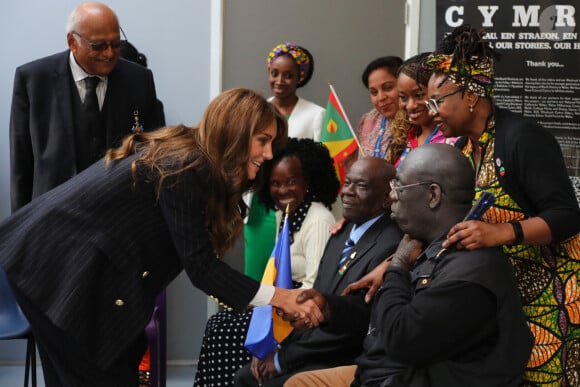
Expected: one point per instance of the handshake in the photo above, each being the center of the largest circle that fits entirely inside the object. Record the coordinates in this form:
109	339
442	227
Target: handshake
308	308
302	308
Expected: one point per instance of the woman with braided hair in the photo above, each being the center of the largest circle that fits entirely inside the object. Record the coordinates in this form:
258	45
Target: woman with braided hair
535	219
412	126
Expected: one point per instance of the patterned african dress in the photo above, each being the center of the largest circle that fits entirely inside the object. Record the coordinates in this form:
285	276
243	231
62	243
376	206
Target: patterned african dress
547	281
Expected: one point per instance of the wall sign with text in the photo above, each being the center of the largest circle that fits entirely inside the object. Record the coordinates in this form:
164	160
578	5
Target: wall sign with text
538	74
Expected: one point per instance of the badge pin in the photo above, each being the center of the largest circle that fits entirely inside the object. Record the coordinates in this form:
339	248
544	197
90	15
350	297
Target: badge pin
137	127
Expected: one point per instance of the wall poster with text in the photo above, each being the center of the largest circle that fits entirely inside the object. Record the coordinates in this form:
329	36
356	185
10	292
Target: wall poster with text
538	74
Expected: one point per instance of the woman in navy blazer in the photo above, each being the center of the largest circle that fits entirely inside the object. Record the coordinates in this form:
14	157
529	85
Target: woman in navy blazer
87	258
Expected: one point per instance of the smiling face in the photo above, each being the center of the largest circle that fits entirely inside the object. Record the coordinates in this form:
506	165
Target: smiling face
453	117
261	149
283	77
97	24
288	185
412	97
364	193
383	91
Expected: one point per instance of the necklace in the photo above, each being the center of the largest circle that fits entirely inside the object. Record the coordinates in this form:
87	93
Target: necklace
377	151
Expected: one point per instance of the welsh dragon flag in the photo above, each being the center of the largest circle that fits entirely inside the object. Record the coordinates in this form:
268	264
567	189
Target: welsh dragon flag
337	134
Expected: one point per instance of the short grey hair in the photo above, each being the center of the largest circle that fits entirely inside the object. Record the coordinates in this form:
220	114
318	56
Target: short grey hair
72	21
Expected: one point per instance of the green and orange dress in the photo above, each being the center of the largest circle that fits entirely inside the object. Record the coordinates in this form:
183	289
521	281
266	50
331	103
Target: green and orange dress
547	276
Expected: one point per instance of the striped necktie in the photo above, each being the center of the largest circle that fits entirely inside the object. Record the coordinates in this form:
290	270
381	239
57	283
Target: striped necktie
348	247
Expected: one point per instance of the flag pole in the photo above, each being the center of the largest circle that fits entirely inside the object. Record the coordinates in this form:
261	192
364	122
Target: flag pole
347	120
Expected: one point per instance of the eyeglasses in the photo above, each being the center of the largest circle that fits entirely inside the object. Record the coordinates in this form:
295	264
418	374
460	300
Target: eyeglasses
396	188
115	44
433	104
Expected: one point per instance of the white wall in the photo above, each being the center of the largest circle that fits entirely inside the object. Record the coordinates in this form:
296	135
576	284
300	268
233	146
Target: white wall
342	35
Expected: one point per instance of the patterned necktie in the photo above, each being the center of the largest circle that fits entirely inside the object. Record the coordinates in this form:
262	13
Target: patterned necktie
348	247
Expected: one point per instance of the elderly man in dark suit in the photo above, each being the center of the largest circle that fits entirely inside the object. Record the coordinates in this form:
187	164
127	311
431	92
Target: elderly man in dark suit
68	108
368	237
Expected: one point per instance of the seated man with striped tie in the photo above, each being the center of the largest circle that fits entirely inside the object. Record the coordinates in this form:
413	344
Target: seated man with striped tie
368	237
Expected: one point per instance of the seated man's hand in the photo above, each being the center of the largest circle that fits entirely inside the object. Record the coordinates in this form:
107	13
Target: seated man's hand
407	252
371	281
290	309
255	371
267	368
307	296
319	300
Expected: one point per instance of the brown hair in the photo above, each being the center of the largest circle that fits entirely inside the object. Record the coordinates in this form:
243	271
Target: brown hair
219	144
399	130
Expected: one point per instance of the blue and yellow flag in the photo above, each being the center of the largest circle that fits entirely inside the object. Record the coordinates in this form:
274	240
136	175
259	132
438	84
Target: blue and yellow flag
266	328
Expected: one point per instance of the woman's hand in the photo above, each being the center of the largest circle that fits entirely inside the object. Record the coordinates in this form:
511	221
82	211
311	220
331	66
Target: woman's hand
304	296
372	281
337	226
291	309
318	299
475	234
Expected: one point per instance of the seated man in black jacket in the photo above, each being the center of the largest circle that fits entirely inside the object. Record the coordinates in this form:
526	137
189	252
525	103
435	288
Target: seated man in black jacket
443	317
365	205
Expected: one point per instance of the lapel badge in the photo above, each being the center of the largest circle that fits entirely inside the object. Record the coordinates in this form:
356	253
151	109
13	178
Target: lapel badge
137	127
345	266
498	163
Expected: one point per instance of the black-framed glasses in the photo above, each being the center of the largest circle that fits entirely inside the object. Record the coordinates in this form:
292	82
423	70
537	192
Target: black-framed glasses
396	188
433	104
101	46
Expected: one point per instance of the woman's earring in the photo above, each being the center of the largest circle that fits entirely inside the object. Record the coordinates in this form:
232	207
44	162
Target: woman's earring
471	108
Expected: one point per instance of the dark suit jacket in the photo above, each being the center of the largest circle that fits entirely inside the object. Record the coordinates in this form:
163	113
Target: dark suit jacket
42	126
93	253
321	348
